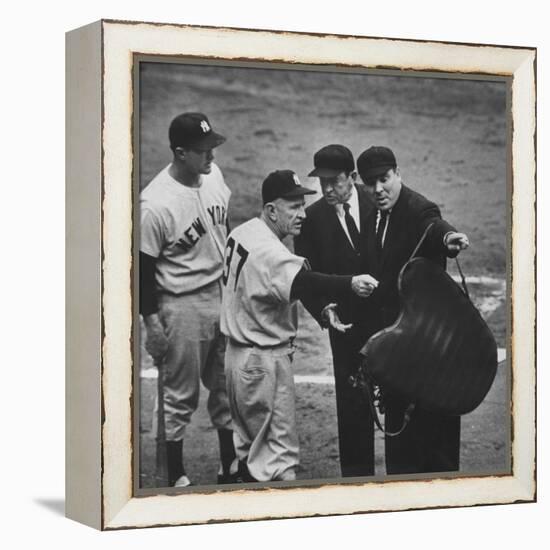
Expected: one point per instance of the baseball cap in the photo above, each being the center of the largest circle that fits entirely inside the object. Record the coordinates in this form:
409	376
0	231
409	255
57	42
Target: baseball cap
193	131
283	184
375	161
331	161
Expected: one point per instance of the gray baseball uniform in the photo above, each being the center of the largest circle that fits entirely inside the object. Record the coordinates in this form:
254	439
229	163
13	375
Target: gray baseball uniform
260	321
185	229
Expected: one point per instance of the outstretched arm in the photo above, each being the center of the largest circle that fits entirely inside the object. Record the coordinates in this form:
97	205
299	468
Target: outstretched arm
307	284
443	239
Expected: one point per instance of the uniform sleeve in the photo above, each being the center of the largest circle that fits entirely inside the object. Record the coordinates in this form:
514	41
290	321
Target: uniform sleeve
282	269
152	234
308	283
305	245
148	300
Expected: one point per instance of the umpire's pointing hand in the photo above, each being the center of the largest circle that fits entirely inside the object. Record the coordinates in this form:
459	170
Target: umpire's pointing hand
455	242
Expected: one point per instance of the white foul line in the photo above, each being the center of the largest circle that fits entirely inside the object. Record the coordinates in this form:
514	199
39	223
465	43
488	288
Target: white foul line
307	378
483	280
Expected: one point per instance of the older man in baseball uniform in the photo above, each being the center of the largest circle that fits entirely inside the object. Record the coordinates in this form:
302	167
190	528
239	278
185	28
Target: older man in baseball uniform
262	280
183	232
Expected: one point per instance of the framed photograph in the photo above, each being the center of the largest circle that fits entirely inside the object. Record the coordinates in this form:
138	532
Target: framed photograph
188	277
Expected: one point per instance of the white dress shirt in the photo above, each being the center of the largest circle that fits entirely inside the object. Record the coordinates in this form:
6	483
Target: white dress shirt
378	218
353	210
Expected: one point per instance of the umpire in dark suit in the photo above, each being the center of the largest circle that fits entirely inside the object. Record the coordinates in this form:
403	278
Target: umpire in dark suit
430	442
334	240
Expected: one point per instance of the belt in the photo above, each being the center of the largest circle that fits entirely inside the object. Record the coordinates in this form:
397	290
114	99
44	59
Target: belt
289	345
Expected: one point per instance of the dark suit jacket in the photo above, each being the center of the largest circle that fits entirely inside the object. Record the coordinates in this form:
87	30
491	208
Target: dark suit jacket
410	216
430	442
325	244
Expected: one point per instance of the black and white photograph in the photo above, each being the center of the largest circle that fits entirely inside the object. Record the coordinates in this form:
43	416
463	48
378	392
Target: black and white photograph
302	225
323	266
300	275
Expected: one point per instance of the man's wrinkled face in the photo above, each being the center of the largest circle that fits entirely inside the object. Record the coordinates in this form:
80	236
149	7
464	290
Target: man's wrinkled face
289	214
384	189
337	189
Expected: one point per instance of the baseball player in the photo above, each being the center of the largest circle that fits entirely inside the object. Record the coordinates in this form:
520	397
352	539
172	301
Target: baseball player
183	233
262	279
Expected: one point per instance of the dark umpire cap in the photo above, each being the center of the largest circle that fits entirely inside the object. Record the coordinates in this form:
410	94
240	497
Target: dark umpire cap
193	131
375	161
331	161
283	184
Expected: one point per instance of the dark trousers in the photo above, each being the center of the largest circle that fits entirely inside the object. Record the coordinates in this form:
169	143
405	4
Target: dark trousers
355	424
429	443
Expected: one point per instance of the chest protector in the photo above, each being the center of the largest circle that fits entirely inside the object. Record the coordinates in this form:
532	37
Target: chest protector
439	354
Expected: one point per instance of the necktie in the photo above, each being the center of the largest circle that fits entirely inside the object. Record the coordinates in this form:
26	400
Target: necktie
380	230
352	228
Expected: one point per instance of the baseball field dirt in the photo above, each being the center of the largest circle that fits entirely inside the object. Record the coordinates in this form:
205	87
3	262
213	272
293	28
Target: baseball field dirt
449	137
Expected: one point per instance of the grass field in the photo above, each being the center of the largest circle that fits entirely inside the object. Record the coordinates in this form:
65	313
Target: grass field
449	137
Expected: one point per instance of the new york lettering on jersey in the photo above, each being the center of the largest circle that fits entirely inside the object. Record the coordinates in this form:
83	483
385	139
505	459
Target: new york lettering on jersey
185	229
217	215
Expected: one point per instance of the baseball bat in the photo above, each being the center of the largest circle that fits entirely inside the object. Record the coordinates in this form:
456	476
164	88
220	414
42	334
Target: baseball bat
161	472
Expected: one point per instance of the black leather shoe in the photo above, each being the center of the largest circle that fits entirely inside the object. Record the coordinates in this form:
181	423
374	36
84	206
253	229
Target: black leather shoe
243	475
225	478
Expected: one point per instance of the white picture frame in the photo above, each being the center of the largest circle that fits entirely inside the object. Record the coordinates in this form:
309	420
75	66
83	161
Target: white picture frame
99	273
